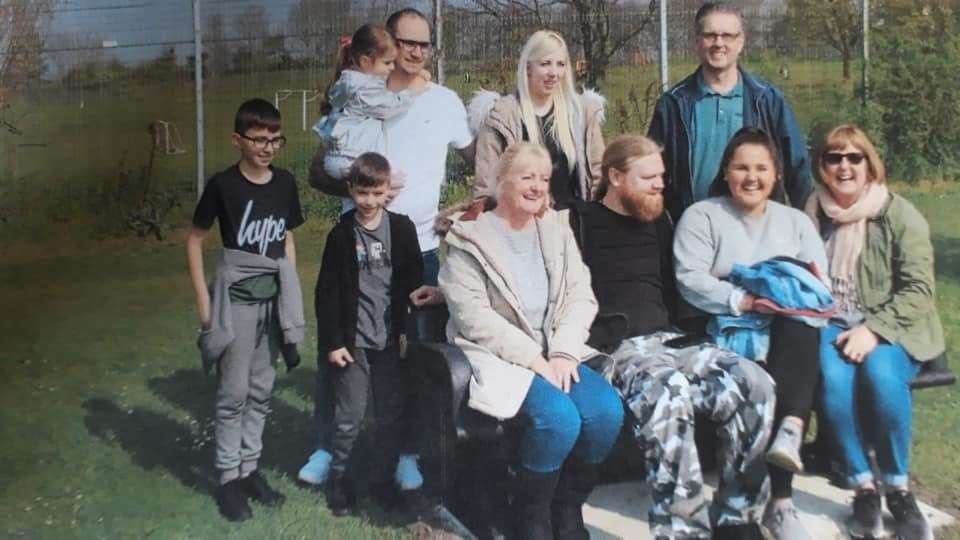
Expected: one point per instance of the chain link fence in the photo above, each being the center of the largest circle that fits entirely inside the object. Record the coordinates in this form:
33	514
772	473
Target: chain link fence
100	121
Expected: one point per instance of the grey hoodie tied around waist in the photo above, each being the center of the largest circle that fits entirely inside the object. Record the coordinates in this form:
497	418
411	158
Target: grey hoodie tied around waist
236	265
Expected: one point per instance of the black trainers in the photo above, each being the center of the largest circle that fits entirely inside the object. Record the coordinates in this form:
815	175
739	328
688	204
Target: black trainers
911	524
232	501
745	531
259	490
867	519
340	496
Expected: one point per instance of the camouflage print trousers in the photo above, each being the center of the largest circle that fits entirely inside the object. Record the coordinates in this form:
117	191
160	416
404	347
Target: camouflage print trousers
664	388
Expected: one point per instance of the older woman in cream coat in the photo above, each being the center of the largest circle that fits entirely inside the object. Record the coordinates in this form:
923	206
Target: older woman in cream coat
521	306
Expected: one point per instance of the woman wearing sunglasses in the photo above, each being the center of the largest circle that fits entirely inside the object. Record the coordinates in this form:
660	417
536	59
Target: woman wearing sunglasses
881	273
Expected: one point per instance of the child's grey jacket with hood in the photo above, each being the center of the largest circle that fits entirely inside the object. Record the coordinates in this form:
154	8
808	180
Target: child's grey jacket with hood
361	103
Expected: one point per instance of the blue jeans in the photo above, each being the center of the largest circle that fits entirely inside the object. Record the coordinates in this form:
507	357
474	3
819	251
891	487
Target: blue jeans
586	421
431	266
881	386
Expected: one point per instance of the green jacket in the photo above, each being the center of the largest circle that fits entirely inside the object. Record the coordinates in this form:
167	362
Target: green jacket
896	280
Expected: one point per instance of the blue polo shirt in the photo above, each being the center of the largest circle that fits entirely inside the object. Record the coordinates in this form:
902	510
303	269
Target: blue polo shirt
716	117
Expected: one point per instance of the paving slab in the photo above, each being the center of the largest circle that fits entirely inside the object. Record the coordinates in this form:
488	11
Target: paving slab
619	511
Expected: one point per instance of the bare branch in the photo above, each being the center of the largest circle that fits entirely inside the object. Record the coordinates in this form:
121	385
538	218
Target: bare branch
646	21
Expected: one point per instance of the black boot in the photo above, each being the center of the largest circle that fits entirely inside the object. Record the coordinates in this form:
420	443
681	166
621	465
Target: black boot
577	480
532	493
340	496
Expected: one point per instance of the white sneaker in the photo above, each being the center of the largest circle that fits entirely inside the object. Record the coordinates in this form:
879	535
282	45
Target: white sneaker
407	475
783	521
785	450
316	469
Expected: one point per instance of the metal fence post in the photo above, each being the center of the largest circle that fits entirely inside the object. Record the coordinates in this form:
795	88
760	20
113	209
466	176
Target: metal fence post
866	52
438	37
198	84
664	61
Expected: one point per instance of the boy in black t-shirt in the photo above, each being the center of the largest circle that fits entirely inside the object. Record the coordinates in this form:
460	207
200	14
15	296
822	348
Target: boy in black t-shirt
371	271
241	314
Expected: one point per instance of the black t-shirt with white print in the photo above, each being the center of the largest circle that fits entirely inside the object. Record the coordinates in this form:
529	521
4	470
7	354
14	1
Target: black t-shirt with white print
253	217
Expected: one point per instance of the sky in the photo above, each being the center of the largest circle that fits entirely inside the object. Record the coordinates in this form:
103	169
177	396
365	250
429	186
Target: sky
143	29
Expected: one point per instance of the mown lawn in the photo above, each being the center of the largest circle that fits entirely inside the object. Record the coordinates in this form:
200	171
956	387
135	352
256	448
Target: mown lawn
105	417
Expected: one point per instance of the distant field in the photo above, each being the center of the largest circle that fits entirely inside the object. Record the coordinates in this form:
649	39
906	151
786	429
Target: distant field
77	144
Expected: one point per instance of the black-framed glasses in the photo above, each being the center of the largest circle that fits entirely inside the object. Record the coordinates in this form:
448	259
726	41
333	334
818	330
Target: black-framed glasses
714	36
834	158
411	44
261	142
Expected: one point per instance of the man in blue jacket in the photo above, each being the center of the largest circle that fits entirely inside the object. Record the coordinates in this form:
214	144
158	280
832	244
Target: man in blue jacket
695	119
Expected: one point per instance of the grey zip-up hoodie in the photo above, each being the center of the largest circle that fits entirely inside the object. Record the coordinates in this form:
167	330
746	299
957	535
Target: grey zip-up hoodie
236	265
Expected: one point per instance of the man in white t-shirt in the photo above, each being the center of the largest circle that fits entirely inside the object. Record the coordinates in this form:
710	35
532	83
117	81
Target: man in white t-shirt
417	144
417	141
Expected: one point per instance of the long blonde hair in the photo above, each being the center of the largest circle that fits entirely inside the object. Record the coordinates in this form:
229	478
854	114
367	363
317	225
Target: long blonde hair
566	108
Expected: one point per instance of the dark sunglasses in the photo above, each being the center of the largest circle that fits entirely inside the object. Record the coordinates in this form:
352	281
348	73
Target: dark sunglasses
834	158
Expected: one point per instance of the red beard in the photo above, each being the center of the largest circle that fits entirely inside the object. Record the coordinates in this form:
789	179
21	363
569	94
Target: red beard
644	206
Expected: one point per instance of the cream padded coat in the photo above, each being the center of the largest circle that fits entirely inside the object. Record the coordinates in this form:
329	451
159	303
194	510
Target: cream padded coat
487	320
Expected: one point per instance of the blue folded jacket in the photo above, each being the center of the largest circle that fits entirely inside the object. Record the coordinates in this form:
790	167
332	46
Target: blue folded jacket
788	286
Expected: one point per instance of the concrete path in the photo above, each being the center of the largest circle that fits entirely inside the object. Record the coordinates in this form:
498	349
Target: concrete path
619	511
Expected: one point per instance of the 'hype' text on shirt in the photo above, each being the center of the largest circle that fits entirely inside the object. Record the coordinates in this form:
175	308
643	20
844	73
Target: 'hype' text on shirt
260	232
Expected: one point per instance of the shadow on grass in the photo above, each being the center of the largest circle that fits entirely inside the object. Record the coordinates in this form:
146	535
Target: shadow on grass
185	450
947	252
286	437
152	440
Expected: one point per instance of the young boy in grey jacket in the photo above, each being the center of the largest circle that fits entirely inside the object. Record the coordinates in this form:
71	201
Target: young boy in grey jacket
254	307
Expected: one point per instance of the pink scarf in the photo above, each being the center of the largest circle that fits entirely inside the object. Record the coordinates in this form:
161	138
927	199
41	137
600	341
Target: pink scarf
846	243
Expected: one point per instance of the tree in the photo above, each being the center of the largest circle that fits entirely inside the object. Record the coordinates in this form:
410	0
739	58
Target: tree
917	51
215	43
310	23
22	25
251	25
835	22
68	50
598	33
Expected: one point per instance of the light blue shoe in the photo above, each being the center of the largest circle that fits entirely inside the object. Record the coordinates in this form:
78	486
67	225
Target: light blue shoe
408	475
317	468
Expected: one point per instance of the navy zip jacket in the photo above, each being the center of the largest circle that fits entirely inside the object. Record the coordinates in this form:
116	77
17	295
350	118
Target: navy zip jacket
338	285
764	106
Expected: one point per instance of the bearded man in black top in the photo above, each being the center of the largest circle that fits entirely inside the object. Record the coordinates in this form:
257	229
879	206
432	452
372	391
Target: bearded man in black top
626	240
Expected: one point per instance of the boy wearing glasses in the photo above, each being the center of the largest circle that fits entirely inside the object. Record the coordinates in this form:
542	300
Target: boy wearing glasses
253	309
695	119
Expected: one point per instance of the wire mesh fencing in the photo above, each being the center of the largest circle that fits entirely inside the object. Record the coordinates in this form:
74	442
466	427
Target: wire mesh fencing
98	109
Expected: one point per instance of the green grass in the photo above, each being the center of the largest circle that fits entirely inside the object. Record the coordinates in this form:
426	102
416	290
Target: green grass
106	422
106	418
